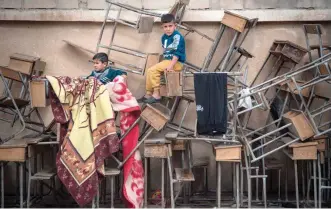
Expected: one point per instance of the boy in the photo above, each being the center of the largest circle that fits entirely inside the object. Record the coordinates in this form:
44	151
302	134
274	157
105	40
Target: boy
174	56
103	72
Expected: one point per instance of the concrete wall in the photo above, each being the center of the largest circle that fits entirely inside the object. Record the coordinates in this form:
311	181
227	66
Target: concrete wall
151	4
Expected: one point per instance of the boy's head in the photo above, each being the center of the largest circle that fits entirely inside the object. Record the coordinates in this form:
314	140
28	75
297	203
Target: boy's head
100	61
168	24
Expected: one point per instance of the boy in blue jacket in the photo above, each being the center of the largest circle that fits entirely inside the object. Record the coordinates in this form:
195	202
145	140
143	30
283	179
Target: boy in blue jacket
174	56
103	72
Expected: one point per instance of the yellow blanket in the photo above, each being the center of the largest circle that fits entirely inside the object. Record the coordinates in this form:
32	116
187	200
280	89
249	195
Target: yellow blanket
90	135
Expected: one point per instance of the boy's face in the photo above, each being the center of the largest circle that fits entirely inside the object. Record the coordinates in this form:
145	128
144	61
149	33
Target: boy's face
169	28
98	65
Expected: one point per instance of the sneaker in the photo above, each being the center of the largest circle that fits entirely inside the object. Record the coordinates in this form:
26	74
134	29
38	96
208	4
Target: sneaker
141	100
152	100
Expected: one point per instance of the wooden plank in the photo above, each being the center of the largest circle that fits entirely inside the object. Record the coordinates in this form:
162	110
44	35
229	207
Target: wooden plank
9	73
305	144
305	153
157	150
13	154
156	118
234	21
293	52
173	83
145	24
38	93
24	57
228	153
301	125
21	66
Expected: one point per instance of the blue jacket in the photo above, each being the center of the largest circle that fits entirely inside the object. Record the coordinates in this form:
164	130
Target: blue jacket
107	75
174	45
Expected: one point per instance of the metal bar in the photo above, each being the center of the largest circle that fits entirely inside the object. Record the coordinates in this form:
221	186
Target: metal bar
103	27
271	132
219	176
269	142
134	9
319	181
187	27
210	55
2	185
323	111
237	185
113	32
275	150
145	182
122	51
257	130
207	139
171	182
145	137
315	185
296	182
162	184
228	54
124	22
21	184
128	131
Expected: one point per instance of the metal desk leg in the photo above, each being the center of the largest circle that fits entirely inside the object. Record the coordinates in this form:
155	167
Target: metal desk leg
162	184
319	182
265	192
286	180
219	176
279	179
21	184
112	185
2	186
171	182
241	185
315	184
237	184
296	183
257	185
145	182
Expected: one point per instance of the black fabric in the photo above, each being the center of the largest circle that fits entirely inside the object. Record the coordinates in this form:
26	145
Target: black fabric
211	100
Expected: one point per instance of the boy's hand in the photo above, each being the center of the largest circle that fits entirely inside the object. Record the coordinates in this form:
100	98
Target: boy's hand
170	69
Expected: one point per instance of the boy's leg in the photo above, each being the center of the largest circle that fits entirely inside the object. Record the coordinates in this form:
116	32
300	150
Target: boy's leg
150	79
155	79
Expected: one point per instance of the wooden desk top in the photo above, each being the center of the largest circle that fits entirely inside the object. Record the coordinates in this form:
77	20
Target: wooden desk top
22	142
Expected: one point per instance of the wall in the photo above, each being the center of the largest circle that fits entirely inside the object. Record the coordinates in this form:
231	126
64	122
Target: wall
154	5
44	39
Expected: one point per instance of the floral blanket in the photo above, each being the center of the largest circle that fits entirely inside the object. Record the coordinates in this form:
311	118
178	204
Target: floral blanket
88	133
127	106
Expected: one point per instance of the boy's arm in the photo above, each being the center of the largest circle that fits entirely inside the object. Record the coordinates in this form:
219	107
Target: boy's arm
178	52
172	64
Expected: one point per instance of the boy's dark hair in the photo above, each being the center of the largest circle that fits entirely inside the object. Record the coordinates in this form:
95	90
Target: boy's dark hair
167	18
103	57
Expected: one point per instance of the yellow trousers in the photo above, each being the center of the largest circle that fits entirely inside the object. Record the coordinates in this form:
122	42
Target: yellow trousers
153	74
